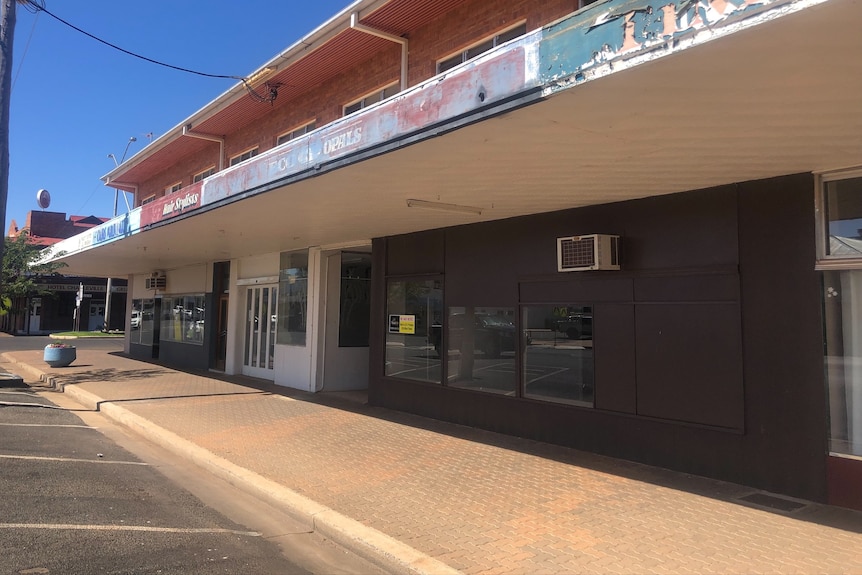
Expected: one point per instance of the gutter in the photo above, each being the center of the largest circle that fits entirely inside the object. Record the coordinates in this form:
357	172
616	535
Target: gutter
187	131
354	24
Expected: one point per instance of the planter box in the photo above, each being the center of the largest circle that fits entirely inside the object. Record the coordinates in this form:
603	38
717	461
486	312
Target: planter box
60	356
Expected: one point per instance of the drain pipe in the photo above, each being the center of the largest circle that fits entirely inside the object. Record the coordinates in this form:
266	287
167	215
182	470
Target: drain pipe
187	131
354	23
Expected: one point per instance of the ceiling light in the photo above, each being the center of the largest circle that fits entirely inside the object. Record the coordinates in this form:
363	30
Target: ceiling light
444	207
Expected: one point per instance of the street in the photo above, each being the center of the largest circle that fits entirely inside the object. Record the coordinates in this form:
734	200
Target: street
80	495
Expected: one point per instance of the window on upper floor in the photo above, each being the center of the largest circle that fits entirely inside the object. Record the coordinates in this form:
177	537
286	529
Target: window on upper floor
243	157
148	199
173	188
295	133
481	47
203	175
372	98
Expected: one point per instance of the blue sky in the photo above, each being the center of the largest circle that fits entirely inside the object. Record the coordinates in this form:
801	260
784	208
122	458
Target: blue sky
75	100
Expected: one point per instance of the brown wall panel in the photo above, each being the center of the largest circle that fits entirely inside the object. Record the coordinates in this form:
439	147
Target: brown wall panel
579	287
615	367
689	363
416	254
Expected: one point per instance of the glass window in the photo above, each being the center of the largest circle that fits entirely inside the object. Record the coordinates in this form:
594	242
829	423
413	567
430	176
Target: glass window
173	188
205	174
481	344
243	157
301	131
415	312
183	319
558	353
842	310
141	322
843	208
481	48
355	305
293	298
379	96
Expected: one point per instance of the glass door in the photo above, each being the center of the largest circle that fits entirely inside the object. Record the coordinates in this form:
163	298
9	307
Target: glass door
260	323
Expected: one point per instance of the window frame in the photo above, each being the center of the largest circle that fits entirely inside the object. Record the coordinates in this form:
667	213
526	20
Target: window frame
825	261
375	96
148	199
201	176
243	156
173	188
292	134
463	54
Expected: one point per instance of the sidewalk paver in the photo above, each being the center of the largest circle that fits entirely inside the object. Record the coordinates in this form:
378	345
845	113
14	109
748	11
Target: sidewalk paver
478	502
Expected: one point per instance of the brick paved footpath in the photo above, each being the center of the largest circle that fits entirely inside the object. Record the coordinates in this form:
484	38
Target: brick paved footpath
480	503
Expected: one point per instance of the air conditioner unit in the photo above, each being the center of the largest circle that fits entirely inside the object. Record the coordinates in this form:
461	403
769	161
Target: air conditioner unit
589	252
156	282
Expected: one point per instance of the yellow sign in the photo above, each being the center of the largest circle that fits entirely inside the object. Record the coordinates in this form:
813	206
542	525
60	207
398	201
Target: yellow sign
407	324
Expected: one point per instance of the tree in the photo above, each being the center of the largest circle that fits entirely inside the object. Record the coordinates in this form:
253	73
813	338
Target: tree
20	274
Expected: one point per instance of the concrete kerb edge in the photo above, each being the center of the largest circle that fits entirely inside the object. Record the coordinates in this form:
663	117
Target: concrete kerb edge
365	541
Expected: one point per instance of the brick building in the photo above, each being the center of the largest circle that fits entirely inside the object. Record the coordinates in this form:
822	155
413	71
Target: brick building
626	227
41	313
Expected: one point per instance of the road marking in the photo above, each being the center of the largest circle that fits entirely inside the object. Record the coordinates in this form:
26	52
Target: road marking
69	459
45	425
69	526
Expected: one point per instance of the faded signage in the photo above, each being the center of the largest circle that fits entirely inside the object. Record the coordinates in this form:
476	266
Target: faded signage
172	205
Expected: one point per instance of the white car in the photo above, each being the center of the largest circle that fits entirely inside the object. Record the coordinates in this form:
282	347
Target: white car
135	322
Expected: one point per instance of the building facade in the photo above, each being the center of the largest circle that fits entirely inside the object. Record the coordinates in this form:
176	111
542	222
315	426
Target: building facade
627	227
56	307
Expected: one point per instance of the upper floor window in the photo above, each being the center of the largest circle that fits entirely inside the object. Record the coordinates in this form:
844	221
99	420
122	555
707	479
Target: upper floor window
148	199
481	47
369	99
300	131
243	157
173	188
203	175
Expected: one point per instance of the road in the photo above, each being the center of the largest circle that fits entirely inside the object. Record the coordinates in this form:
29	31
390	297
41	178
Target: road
81	495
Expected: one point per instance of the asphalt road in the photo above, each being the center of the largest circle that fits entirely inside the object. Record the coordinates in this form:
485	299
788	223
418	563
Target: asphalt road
80	495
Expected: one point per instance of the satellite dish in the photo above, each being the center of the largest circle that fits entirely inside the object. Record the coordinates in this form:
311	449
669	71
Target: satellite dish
43	198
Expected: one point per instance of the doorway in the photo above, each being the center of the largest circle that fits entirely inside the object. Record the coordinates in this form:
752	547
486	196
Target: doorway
96	319
347	319
35	315
261	316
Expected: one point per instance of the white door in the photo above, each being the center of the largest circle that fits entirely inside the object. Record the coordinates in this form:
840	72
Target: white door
35	314
260	322
347	312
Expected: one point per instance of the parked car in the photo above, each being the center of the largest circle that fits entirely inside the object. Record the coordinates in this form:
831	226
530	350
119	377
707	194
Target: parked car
492	334
135	322
577	325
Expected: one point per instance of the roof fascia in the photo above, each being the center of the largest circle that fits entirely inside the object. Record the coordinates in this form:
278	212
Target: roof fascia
295	52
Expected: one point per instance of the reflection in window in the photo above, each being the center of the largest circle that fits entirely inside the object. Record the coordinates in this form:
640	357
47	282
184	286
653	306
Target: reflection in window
843	207
558	354
842	309
141	322
481	344
183	319
293	298
415	312
355	308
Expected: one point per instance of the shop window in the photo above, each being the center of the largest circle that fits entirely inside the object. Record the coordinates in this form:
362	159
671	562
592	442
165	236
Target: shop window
141	323
414	310
203	175
481	343
481	48
355	304
365	101
301	131
183	319
558	353
293	298
842	308
243	157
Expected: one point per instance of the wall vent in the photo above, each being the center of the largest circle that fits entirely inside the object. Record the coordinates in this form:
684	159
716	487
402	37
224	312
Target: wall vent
589	252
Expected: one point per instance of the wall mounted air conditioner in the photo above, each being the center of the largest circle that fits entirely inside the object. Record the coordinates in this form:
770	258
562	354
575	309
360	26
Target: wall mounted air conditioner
156	281
589	252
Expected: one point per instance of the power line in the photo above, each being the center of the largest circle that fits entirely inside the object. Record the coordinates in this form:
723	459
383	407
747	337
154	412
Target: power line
37	6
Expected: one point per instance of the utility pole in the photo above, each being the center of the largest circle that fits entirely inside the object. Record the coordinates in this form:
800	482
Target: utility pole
7	38
106	326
